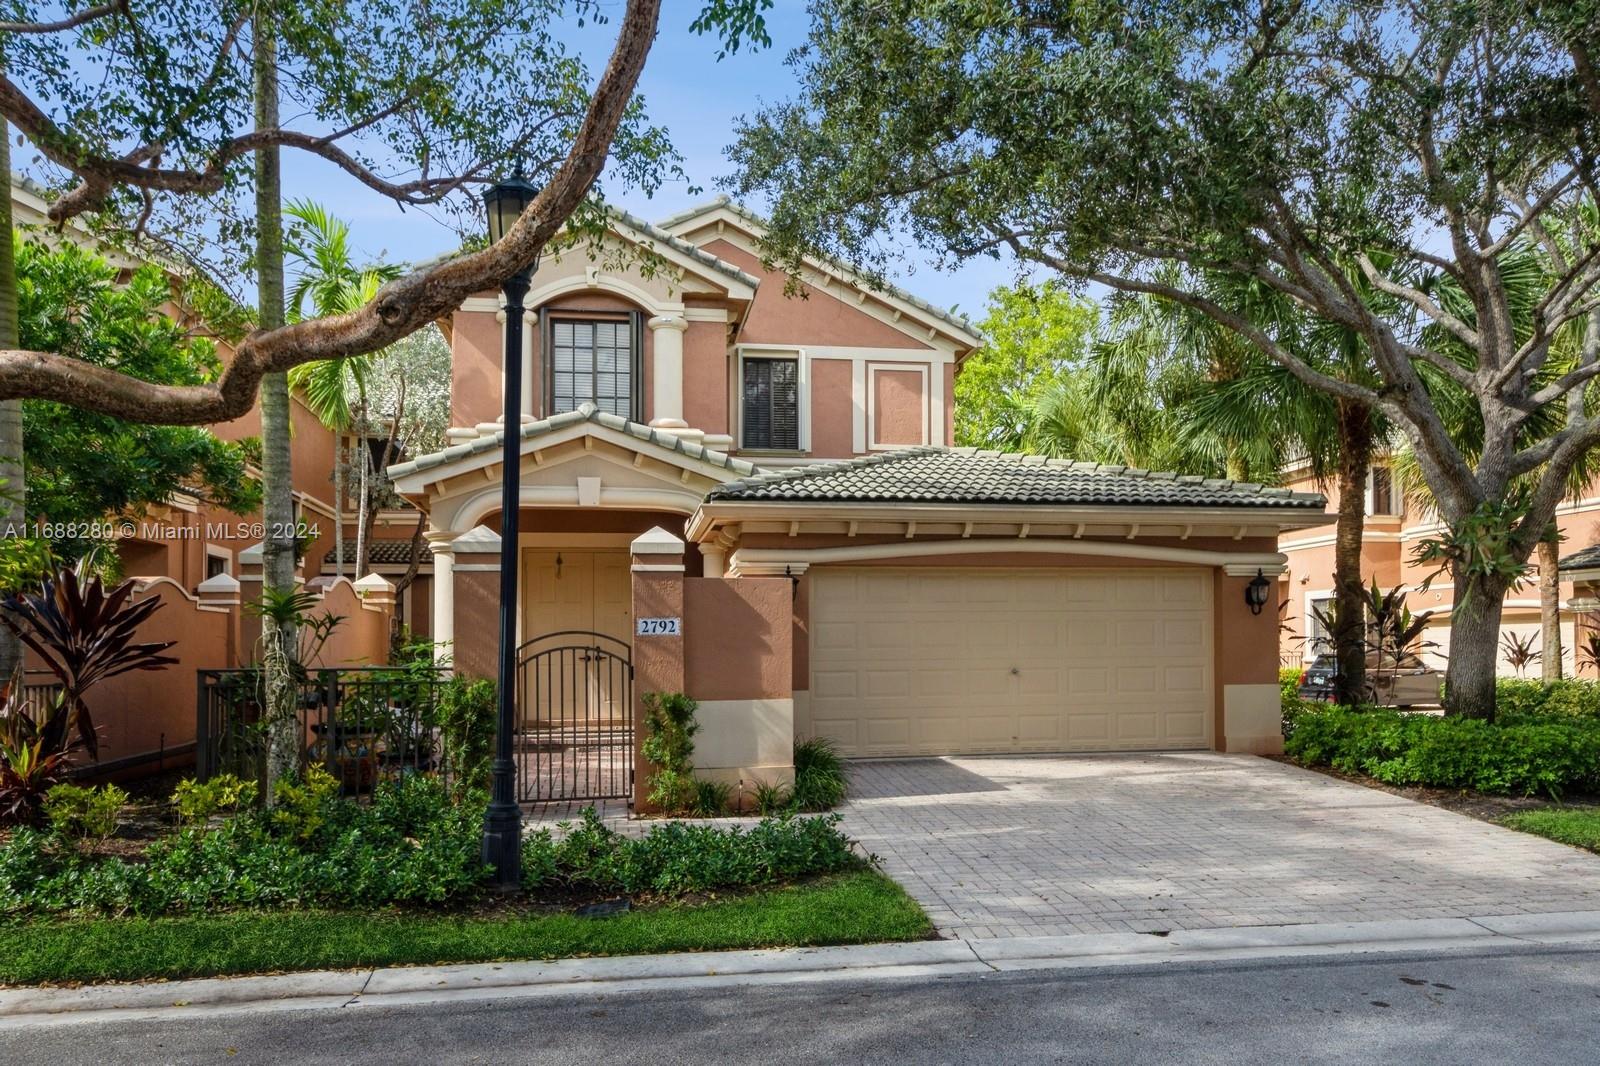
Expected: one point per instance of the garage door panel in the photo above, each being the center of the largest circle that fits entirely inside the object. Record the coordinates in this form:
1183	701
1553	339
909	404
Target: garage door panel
948	660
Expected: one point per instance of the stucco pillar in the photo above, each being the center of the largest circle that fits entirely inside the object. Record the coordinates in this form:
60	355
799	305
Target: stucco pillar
475	575
221	594
443	623
666	337
525	404
1249	716
657	558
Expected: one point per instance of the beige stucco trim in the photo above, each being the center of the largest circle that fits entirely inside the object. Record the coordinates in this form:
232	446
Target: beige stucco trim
1252	719
1237	522
751	562
738	734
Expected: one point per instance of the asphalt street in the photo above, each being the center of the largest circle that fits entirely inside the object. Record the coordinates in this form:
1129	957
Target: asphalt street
1524	1006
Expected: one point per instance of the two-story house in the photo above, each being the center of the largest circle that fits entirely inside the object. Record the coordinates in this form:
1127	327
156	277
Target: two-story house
1394	526
783	460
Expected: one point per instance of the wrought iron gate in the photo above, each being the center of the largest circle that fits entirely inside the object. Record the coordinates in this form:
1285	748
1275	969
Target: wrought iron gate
574	718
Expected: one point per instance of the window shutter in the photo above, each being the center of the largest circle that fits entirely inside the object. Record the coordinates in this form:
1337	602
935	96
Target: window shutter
771	403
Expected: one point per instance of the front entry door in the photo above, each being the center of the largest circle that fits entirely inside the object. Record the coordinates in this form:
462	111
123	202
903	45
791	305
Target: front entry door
580	591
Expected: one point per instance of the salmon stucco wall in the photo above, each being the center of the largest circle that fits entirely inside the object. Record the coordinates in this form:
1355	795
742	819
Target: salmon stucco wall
1248	699
476	344
832	409
812	316
899	407
705	376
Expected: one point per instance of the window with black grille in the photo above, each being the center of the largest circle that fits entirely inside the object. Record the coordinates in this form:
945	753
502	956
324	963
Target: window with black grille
772	404
592	362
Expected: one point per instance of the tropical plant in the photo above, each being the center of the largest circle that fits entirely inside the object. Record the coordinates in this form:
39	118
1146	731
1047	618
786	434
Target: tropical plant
669	749
466	721
87	814
820	780
1589	650
85	633
35	746
1519	650
712	799
222	795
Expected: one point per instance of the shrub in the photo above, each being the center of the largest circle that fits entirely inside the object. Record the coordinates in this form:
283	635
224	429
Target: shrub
820	782
224	794
1289	681
677	857
299	808
772	799
466	712
79	813
669	746
1549	755
711	798
1569	697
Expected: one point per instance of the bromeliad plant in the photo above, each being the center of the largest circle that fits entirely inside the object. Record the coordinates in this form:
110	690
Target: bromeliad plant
84	633
1519	650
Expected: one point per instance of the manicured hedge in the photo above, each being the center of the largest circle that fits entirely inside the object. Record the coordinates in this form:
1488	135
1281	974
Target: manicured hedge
1518	755
1570	697
413	844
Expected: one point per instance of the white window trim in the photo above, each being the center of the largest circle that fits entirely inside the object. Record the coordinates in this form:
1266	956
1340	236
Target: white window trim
872	370
214	551
803	387
1308	651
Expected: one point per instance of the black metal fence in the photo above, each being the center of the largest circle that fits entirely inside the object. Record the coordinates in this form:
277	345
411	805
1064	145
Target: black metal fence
574	736
362	724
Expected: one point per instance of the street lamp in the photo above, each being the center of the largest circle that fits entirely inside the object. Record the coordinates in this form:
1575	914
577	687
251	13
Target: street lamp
502	825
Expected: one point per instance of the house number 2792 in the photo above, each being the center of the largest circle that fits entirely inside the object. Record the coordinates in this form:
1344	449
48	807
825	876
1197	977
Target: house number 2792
660	627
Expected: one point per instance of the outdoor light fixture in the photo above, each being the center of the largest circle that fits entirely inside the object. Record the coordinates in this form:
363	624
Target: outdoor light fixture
1255	593
506	201
502	824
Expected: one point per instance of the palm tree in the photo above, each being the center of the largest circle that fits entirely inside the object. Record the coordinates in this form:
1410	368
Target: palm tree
1228	408
327	282
12	510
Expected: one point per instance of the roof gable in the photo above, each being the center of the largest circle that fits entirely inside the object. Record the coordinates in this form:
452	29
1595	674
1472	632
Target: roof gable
725	216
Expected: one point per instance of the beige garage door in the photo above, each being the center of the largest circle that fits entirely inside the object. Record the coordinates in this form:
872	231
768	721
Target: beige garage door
950	661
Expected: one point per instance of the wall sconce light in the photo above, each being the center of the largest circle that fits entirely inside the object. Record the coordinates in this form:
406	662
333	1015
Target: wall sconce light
1255	593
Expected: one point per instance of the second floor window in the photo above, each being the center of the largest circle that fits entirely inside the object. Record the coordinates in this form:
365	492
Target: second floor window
772	404
592	362
1383	495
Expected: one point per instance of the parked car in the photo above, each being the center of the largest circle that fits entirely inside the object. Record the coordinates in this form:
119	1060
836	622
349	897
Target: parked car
1411	683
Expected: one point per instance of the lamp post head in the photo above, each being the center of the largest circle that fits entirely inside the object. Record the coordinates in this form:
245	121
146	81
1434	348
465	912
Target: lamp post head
506	201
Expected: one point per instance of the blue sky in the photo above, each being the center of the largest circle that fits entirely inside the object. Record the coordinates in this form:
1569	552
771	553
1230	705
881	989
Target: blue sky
696	98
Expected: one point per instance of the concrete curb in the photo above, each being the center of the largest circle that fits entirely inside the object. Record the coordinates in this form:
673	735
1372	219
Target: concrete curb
397	986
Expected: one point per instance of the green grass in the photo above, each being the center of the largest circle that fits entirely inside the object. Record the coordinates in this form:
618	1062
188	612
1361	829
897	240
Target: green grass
1578	826
852	908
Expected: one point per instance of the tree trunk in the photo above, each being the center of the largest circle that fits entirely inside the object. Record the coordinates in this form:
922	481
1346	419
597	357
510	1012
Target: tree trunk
365	505
1549	551
338	502
279	638
1349	589
1474	646
13	509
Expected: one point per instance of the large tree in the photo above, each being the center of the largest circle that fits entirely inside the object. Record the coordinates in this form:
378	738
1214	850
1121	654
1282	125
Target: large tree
419	101
83	466
1323	150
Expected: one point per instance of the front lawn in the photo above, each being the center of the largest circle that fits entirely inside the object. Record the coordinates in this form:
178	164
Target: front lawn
1578	826
862	906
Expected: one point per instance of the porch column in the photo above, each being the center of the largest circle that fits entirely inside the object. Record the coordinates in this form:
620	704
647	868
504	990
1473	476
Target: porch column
657	558
714	558
475	575
441	542
666	334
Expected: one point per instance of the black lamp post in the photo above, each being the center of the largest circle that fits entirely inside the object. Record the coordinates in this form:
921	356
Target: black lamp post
502	825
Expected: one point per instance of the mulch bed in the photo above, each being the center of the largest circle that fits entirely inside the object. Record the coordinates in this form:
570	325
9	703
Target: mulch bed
1473	804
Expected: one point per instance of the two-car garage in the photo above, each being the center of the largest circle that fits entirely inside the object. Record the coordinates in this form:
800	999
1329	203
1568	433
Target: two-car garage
966	660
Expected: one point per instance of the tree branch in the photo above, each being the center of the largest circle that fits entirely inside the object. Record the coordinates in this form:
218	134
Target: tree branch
400	308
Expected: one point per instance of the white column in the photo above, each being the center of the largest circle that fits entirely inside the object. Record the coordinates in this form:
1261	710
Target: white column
526	399
442	544
666	333
714	559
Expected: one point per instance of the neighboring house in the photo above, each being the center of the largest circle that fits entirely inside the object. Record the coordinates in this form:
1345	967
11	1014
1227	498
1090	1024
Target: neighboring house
197	556
749	495
1394	526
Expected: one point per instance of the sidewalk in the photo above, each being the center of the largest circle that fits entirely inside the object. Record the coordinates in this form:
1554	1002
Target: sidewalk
400	986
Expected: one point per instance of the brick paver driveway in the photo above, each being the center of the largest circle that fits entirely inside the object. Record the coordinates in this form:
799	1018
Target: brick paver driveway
1043	846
